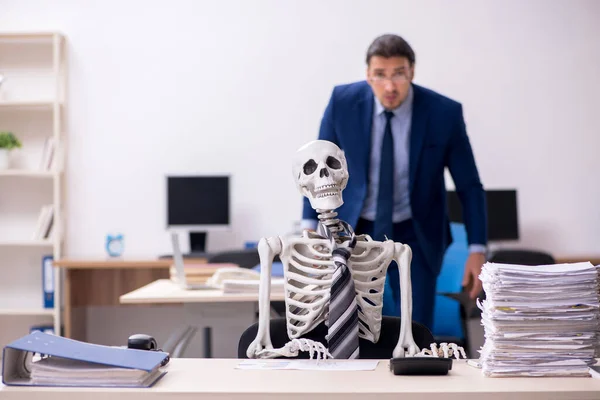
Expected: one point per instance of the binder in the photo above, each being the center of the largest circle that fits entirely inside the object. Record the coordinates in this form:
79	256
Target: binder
48	281
68	362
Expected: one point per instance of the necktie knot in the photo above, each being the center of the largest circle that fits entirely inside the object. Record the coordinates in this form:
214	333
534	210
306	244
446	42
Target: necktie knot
388	115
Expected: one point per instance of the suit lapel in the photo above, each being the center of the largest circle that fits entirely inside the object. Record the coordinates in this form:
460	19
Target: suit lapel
365	112
418	132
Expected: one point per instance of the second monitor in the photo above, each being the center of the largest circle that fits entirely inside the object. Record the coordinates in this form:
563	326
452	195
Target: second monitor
502	213
197	204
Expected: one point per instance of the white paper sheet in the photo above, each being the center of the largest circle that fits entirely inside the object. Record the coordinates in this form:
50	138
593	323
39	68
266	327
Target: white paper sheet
310	365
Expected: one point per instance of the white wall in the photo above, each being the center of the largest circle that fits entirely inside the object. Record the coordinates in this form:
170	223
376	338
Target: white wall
236	86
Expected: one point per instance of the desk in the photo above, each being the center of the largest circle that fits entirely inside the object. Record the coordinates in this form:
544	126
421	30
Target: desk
164	291
100	282
201	379
203	309
595	260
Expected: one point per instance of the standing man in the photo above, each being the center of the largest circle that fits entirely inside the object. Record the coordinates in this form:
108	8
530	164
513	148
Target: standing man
398	138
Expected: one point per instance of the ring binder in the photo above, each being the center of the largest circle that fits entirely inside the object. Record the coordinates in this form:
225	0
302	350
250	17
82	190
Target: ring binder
69	362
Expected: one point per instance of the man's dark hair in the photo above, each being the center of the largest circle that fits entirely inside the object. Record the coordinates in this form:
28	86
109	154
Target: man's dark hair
390	45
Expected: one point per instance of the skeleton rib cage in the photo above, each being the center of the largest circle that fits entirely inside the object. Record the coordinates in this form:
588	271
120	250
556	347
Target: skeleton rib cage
308	270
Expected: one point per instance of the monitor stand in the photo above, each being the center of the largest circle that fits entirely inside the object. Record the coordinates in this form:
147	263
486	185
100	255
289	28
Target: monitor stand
197	246
198	242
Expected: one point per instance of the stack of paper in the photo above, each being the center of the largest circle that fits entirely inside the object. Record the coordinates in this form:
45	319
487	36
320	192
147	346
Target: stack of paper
198	272
248	286
539	320
51	371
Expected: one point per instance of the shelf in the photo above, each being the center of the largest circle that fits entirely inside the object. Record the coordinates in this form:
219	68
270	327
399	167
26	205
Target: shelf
26	104
27	173
27	311
26	243
32	101
28	36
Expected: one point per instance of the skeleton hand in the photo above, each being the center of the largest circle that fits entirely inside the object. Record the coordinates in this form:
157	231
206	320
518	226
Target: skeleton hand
292	348
446	350
256	348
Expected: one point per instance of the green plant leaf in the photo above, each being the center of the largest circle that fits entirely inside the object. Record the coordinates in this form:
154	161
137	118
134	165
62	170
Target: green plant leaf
9	141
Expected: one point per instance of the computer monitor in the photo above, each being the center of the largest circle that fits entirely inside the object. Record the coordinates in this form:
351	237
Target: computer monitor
197	204
502	213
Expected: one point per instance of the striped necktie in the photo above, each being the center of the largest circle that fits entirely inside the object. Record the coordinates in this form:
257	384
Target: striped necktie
342	336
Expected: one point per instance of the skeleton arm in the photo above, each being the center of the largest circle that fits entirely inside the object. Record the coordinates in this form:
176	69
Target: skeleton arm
268	248
406	343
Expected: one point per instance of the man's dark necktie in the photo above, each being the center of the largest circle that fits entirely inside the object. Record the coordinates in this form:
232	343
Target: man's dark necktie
342	332
383	225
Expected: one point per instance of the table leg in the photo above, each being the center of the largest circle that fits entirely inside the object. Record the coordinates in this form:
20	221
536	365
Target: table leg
223	322
178	341
207	342
67	315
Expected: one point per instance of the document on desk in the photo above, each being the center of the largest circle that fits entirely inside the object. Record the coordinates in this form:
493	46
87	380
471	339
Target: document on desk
310	365
250	286
540	320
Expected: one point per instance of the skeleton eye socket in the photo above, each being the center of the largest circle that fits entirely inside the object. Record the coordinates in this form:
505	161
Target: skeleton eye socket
310	167
333	162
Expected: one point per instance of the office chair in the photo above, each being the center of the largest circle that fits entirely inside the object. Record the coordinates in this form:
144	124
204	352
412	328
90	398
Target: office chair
245	258
390	329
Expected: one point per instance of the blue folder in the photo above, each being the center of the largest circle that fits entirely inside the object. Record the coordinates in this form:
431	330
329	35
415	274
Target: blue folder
16	359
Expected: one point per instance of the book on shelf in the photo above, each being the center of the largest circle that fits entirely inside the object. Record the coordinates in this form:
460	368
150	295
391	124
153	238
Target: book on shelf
45	223
48	155
48	281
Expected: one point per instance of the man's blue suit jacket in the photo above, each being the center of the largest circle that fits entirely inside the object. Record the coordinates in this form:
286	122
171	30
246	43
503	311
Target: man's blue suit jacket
438	139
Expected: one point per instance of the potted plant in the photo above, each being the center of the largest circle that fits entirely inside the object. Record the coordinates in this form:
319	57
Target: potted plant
8	141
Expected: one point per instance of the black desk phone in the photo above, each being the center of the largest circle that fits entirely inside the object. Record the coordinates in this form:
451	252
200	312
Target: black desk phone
420	366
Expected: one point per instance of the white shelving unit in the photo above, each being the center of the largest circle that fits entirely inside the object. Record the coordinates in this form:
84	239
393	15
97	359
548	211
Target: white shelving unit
32	106
25	173
20	104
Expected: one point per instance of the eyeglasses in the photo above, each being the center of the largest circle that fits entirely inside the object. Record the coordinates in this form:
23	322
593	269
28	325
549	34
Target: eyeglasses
399	77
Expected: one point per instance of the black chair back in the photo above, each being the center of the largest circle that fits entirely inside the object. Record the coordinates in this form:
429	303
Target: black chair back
245	258
390	330
523	257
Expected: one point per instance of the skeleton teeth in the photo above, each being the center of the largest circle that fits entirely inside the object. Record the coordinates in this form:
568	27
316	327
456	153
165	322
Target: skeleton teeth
324	187
327	194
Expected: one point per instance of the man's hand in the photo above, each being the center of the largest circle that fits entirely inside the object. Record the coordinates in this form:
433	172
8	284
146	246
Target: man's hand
471	280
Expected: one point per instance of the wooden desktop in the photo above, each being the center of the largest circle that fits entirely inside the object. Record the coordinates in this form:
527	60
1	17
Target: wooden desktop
197	379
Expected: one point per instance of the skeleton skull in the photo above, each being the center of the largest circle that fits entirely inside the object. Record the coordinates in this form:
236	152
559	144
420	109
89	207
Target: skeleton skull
321	174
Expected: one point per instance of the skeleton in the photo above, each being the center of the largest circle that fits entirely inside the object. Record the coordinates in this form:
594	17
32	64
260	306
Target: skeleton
321	174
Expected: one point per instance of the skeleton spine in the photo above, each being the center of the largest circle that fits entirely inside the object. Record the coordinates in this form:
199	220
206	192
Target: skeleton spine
328	218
